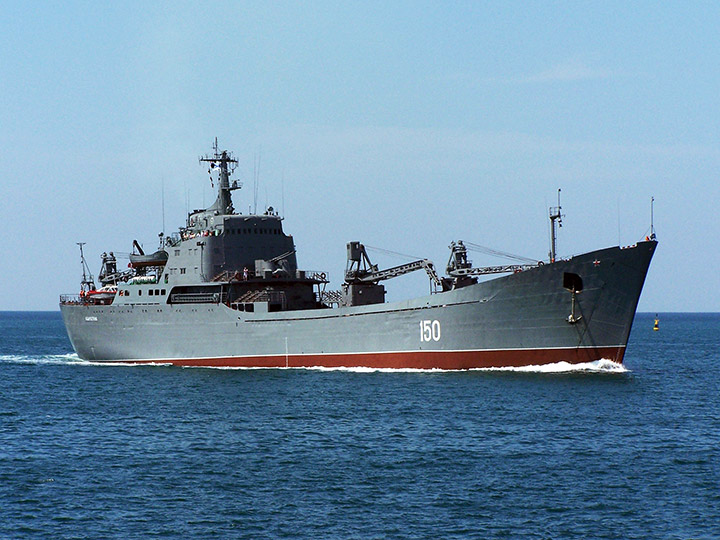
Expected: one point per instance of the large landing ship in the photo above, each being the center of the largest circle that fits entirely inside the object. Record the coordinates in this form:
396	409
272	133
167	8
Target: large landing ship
225	290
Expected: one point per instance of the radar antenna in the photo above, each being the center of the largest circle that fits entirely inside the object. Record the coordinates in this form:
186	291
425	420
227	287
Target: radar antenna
226	164
218	159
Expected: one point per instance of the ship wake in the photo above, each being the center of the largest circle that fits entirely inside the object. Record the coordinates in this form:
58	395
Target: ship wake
50	359
598	366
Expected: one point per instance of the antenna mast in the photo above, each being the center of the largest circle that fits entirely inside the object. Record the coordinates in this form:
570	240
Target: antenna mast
162	233
87	283
555	222
256	182
652	218
226	163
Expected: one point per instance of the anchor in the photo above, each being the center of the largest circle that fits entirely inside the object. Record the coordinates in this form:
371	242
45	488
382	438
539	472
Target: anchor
573	283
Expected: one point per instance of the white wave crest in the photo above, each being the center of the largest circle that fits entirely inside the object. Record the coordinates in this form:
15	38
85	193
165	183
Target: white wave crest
356	369
361	369
68	359
53	359
598	366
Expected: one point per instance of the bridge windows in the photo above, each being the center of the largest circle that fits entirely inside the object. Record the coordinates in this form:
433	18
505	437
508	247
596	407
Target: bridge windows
273	230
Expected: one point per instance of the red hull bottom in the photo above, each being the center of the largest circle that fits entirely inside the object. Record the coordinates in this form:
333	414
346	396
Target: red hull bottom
446	360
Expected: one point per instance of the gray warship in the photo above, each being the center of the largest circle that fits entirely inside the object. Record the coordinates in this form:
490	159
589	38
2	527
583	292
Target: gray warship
226	291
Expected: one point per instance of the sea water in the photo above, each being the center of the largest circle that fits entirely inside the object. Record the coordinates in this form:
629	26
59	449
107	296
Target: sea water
593	451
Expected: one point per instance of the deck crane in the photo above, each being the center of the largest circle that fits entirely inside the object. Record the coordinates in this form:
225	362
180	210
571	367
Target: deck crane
459	266
460	269
361	285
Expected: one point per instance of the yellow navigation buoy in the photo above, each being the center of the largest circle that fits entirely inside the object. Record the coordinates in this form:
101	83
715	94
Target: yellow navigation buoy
656	326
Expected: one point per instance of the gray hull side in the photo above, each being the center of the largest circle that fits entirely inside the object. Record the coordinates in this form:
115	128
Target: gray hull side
522	312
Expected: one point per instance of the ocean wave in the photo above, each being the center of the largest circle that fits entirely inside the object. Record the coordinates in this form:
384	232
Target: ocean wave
598	366
361	369
54	359
356	369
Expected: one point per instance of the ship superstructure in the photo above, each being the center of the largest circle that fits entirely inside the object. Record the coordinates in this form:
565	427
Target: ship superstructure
226	290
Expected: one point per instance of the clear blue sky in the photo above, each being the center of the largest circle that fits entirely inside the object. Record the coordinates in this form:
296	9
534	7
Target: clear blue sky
404	125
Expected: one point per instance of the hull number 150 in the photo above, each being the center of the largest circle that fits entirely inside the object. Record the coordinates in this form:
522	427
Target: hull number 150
429	330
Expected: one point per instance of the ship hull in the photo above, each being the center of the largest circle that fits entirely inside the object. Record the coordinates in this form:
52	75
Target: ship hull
515	320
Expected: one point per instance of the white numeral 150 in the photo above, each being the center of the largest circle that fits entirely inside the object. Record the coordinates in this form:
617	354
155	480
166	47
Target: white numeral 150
429	330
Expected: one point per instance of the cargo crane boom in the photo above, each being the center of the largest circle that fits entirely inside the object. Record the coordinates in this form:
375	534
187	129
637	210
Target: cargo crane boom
459	266
361	270
402	269
484	270
362	277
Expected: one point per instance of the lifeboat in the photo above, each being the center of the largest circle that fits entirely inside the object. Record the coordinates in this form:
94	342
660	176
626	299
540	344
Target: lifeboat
159	258
103	295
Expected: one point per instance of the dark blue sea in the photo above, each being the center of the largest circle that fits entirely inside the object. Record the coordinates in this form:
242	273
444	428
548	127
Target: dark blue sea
600	451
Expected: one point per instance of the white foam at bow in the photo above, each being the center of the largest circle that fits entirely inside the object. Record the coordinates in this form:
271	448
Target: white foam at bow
598	366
